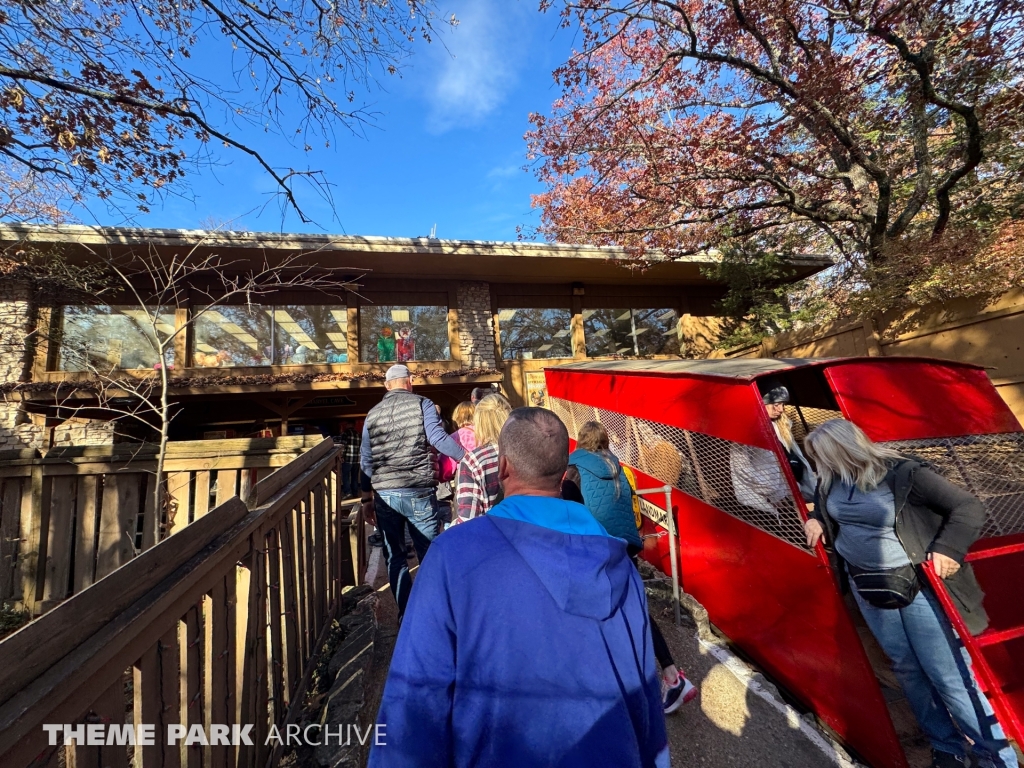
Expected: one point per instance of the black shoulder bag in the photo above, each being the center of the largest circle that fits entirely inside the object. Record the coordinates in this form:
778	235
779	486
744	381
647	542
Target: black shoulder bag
888	588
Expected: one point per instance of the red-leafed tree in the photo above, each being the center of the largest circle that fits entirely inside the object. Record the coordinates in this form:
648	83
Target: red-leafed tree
844	127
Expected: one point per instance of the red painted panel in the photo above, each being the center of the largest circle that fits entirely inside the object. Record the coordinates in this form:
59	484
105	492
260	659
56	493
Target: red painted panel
781	606
907	400
725	409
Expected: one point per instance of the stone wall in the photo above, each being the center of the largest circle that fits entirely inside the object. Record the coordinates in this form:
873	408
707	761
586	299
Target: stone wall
476	325
19	429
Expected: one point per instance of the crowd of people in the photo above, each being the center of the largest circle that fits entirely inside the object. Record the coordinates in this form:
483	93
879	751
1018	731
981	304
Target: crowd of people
527	639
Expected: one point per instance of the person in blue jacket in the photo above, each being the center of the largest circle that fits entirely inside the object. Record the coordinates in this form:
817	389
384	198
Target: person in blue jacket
527	640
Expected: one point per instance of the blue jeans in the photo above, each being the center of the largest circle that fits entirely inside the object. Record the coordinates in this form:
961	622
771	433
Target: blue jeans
412	508
934	671
349	479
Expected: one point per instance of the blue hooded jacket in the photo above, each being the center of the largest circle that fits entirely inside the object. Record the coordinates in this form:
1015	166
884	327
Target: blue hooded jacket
607	493
526	643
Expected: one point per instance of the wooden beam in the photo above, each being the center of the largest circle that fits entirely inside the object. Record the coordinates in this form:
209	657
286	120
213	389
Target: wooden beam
454	338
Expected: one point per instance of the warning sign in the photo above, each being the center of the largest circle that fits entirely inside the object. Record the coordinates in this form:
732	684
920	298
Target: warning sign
653	513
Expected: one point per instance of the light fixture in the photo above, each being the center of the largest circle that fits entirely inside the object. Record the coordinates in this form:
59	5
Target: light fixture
340	317
506	314
623	316
561	333
400	315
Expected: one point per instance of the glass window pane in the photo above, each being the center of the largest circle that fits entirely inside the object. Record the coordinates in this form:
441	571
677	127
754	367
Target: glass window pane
631	332
103	338
232	336
530	334
310	334
389	333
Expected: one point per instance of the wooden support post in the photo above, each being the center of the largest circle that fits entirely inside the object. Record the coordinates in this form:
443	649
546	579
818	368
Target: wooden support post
454	337
352	334
579	340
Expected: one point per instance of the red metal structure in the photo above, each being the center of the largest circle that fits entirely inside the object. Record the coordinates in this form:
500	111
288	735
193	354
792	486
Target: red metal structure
700	426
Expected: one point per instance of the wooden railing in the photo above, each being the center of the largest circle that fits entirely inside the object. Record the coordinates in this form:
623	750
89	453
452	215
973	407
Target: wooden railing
216	625
75	515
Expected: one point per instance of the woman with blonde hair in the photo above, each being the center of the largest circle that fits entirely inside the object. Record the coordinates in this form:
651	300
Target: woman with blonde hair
885	515
478	488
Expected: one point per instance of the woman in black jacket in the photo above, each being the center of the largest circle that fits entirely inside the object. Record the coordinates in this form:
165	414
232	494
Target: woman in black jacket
885	515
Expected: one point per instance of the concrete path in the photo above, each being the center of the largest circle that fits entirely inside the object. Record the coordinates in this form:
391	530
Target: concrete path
735	721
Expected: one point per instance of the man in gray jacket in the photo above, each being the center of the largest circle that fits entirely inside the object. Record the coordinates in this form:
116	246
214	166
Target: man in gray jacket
396	456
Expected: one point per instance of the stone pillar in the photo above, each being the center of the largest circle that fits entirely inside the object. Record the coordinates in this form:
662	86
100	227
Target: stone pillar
18	429
476	325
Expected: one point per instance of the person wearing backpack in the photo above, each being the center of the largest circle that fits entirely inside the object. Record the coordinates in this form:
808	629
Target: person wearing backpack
596	479
885	514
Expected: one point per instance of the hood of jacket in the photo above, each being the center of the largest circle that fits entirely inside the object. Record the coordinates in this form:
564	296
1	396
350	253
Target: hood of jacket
586	571
602	467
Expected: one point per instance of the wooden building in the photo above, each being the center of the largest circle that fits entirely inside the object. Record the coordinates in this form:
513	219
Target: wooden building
463	314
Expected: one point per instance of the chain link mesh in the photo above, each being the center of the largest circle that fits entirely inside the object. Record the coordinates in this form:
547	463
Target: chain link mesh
989	466
741	480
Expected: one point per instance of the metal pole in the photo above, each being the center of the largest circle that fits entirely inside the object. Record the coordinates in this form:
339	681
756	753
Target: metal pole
673	542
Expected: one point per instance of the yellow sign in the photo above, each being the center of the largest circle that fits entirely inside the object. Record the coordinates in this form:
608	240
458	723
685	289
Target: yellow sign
536	390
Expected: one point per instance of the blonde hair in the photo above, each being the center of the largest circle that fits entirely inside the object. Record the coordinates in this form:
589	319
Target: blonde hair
840	449
592	437
489	417
463	415
784	425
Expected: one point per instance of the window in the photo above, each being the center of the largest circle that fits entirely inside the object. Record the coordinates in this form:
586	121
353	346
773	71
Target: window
233	336
310	334
103	338
389	333
530	334
631	332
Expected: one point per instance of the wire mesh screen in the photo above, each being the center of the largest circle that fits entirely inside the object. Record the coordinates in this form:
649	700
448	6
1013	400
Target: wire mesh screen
806	419
989	466
741	480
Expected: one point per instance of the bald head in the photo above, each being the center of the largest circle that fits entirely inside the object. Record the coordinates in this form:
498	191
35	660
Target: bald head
533	451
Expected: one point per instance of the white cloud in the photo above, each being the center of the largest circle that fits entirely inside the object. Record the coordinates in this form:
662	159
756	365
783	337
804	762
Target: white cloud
481	63
505	171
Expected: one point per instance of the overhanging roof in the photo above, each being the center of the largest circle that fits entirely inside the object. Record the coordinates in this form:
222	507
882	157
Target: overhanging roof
492	261
744	369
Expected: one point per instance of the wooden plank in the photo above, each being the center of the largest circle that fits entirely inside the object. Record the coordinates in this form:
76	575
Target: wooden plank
10	522
35	513
179	489
275	609
262	705
266	488
227	484
220	697
86	509
454	337
308	581
28	653
320	554
201	505
118	518
293	633
191	682
61	539
108	708
244	592
146	694
150	514
170	696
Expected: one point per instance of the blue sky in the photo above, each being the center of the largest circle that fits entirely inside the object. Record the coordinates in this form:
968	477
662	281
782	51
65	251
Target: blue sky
447	147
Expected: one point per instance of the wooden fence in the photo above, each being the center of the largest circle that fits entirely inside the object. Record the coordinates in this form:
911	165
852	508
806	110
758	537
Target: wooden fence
71	517
217	624
984	332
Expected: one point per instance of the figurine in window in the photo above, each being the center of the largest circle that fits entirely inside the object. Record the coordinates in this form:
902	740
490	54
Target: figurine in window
336	355
406	345
212	359
386	345
301	356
